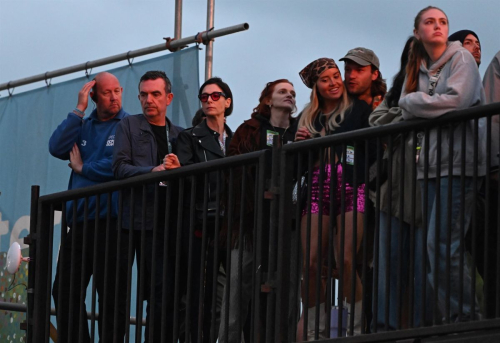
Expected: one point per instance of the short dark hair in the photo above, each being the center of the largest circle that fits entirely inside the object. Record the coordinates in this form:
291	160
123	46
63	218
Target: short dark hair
224	87
154	75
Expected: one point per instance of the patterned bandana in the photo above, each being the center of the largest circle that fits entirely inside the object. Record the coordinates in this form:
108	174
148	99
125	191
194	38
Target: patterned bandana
310	74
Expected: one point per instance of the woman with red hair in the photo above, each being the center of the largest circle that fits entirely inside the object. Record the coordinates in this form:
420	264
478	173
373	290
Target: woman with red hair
272	117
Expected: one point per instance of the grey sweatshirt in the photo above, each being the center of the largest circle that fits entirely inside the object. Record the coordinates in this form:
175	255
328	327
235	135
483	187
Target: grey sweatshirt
491	83
458	87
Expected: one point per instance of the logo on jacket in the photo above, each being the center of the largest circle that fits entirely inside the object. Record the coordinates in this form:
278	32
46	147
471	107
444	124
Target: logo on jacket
111	141
84	142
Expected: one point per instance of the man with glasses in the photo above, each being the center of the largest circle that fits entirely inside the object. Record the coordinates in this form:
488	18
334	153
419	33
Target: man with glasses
142	144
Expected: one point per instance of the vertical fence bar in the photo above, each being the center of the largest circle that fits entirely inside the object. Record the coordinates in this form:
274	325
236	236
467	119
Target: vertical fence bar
376	245
330	294
412	275
42	261
437	237
342	245
35	195
402	226
152	290
201	276
118	286
497	276
215	271
227	289
354	234
449	227
187	323
319	229
131	238
476	184
271	280
307	255
178	247
364	272
486	263
259	250
388	234
94	265
141	264
107	253
462	222
166	272
425	215
284	247
241	247
49	272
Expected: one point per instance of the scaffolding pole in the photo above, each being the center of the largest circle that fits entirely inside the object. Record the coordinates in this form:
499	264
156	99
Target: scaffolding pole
178	19
209	52
207	36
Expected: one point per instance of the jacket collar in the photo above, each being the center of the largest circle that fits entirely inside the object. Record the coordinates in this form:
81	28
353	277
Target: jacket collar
119	116
205	137
145	126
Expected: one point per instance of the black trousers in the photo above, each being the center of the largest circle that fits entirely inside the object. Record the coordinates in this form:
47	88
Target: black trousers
192	284
160	310
74	269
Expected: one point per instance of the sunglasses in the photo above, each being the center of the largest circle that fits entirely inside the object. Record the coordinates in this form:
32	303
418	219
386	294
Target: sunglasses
215	96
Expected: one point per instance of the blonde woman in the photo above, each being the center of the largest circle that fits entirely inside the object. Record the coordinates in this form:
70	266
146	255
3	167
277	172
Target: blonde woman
331	111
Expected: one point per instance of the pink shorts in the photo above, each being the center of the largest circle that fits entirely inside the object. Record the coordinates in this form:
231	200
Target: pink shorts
349	193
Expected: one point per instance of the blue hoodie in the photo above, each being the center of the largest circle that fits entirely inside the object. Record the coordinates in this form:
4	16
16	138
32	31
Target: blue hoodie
95	139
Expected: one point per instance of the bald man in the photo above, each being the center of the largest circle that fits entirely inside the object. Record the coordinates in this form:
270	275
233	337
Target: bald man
87	144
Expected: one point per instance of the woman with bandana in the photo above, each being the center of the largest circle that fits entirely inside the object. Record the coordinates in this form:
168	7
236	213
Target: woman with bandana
332	111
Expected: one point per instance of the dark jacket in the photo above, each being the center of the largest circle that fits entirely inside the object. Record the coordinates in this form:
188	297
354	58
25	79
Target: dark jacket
355	119
136	153
249	137
198	144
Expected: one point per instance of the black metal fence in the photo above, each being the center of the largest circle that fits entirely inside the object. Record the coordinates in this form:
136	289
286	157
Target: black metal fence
358	233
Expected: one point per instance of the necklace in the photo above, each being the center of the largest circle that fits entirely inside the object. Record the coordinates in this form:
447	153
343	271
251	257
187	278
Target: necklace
284	132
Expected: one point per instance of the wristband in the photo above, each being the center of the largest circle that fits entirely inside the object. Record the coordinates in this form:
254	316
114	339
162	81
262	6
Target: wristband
79	113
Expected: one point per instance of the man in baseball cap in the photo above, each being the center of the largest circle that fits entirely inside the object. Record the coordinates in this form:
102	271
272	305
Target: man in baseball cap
363	79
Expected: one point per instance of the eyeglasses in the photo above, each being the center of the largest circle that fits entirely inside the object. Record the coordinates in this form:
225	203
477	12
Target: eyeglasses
215	96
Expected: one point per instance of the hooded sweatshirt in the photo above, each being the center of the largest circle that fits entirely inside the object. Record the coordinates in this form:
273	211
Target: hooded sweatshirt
491	83
458	87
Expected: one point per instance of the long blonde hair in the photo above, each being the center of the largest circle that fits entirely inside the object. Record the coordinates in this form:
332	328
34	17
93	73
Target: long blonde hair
312	110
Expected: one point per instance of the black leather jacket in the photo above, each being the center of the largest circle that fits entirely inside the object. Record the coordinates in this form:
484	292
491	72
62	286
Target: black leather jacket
199	144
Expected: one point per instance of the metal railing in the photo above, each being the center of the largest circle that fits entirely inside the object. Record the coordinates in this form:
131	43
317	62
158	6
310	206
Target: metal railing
284	239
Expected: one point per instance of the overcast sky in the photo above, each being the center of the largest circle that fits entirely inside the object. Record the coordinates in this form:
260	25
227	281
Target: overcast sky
284	36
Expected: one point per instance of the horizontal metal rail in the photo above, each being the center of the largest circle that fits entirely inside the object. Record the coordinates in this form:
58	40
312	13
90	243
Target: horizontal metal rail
206	37
410	334
195	169
404	126
13	307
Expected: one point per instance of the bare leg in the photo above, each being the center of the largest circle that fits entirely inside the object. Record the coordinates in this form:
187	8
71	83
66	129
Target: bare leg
348	252
313	263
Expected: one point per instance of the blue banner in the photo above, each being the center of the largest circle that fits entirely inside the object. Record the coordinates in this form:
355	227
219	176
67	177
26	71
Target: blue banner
28	119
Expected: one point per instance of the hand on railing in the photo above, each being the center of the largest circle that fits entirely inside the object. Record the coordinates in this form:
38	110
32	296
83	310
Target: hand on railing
302	134
171	162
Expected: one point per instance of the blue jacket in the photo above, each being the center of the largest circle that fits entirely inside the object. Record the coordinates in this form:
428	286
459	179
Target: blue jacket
95	139
136	153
